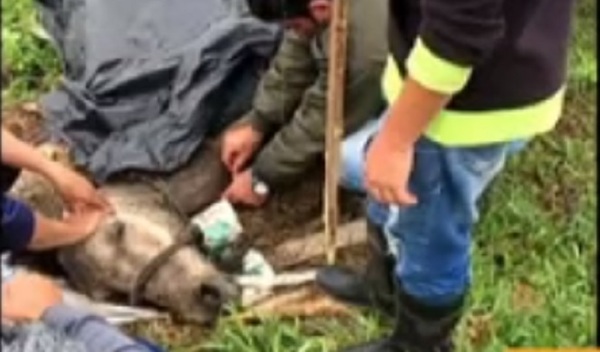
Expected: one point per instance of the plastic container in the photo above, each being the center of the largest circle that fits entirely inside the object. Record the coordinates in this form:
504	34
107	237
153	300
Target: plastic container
220	226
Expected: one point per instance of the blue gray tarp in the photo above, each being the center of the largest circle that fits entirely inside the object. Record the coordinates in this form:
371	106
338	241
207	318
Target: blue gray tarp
146	81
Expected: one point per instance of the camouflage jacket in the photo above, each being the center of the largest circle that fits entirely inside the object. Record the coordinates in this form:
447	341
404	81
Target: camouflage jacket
290	101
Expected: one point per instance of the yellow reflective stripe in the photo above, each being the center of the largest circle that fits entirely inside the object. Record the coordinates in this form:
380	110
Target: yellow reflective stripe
436	73
391	81
463	128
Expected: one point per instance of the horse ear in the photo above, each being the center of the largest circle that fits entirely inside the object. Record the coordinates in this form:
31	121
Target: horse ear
115	231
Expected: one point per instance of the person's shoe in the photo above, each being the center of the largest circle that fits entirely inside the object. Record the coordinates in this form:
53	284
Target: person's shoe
372	289
418	328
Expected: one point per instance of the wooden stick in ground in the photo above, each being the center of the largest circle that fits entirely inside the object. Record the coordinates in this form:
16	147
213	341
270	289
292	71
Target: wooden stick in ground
334	128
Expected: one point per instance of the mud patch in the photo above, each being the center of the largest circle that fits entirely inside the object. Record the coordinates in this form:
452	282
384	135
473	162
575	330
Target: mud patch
295	213
26	121
525	298
579	107
480	329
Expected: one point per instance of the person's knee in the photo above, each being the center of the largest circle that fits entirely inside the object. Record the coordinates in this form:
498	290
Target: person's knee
433	249
434	236
434	281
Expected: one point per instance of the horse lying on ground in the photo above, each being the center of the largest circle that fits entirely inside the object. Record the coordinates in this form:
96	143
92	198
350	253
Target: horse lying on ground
143	227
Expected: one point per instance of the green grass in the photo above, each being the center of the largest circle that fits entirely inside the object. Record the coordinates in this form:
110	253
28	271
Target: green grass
29	62
534	251
582	64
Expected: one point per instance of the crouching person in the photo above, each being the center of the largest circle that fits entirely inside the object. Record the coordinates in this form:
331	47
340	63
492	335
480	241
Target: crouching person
469	83
284	133
33	315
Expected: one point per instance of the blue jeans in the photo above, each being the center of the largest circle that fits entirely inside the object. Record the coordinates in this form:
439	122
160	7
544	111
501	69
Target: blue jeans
431	240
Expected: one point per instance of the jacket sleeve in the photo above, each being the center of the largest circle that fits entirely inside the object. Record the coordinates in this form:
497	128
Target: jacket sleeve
454	37
294	148
281	88
94	332
18	225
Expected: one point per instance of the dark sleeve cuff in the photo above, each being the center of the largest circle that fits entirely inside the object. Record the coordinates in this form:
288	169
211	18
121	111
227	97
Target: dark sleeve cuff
434	72
18	224
262	125
260	173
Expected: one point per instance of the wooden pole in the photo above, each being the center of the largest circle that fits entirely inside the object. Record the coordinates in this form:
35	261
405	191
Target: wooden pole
334	124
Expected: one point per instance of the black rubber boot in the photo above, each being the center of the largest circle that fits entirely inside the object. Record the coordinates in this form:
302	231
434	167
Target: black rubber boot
418	328
374	288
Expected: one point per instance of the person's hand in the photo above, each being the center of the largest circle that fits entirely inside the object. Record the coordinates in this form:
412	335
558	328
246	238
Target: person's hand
240	191
27	296
72	229
388	168
83	222
239	145
76	190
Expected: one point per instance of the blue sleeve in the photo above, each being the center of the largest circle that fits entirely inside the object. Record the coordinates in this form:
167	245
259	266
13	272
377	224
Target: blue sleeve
93	331
18	225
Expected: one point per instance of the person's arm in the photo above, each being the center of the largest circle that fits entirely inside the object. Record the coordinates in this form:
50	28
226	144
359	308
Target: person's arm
295	147
454	37
24	228
93	331
282	86
50	233
29	297
75	189
19	154
18	223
